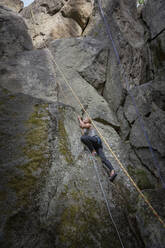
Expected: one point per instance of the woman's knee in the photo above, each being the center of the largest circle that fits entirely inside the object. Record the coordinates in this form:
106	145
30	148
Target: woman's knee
83	138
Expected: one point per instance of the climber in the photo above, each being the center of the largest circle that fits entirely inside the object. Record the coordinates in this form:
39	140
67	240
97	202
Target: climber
94	143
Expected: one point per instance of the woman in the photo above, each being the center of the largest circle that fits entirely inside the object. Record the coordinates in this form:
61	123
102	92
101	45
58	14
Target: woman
94	143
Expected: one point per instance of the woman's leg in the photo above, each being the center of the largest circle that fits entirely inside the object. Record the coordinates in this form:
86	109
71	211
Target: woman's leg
88	141
104	159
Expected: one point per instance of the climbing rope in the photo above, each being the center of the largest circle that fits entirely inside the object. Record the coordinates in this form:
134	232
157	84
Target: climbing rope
106	143
141	122
110	149
106	201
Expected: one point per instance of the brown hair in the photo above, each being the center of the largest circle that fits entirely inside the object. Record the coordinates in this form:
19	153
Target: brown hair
89	120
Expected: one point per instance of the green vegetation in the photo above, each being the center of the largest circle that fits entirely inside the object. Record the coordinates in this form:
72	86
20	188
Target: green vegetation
80	222
141	178
35	150
141	1
63	138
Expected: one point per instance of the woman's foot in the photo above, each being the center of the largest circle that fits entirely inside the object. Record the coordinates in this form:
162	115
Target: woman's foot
113	174
94	153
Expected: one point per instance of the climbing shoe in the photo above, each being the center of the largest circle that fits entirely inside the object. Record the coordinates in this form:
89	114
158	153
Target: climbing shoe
94	153
111	178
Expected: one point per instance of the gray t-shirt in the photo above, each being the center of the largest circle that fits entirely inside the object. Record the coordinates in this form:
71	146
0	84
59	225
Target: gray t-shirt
90	132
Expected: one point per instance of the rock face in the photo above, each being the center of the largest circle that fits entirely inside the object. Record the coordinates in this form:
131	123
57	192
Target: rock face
49	20
15	5
153	15
157	33
49	192
14	37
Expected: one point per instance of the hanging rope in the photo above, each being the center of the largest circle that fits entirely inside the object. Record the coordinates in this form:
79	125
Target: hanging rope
102	137
106	201
141	122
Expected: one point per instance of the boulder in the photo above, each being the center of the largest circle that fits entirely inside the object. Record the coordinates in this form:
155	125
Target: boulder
154	15
79	10
13	34
153	125
124	124
15	5
50	20
142	96
158	91
31	73
158	52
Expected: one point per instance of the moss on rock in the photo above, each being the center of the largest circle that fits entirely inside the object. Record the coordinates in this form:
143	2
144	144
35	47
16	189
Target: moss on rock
141	178
83	219
35	151
63	138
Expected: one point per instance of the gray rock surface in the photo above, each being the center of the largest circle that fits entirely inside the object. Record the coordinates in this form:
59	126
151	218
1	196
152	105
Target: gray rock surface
143	99
66	52
153	125
158	52
153	14
129	37
13	34
31	73
154	196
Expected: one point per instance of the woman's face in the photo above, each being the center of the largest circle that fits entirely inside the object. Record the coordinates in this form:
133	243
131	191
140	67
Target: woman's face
86	120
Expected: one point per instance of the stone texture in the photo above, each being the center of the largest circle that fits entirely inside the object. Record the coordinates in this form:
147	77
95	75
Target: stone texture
154	196
79	10
66	52
15	5
13	34
31	73
158	52
95	74
49	20
158	91
153	15
143	99
47	177
129	37
153	125
124	124
49	192
25	159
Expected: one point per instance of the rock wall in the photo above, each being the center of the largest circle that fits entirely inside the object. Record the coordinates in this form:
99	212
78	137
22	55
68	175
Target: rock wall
49	192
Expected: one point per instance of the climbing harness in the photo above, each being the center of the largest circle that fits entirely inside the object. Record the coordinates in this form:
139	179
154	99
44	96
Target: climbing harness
106	143
98	139
141	122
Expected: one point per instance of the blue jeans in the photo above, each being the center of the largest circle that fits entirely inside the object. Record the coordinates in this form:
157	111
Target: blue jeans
94	143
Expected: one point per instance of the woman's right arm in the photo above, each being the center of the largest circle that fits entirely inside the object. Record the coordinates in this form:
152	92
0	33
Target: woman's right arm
82	124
